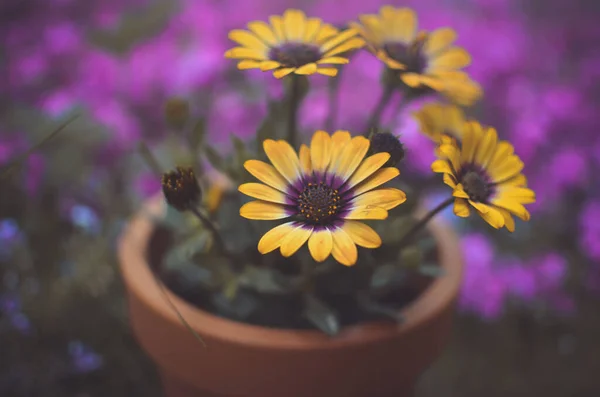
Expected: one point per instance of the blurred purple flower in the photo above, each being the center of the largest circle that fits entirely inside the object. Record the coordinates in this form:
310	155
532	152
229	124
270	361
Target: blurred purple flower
590	230
85	218
83	358
147	185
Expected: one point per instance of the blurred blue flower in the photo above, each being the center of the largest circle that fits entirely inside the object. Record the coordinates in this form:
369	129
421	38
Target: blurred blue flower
85	218
83	358
21	323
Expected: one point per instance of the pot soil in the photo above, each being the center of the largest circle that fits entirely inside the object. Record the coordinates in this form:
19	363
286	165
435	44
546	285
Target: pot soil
242	360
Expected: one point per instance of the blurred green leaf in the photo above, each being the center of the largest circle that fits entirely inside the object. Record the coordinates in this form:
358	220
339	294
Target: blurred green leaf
177	112
411	257
387	276
261	280
432	270
197	135
371	306
214	158
240	307
320	315
183	252
149	159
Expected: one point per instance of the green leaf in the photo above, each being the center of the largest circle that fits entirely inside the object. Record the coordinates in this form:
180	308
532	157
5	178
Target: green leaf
214	158
183	252
371	306
411	257
150	159
267	130
238	308
432	270
387	276
320	315
262	280
198	135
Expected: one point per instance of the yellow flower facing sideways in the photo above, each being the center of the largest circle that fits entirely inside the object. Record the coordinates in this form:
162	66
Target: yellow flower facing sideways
293	43
485	174
438	119
322	194
423	59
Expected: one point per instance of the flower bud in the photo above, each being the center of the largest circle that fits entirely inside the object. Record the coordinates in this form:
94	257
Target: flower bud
181	188
386	142
177	112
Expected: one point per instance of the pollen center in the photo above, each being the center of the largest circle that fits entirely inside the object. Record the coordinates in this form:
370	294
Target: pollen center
476	186
318	203
408	55
295	54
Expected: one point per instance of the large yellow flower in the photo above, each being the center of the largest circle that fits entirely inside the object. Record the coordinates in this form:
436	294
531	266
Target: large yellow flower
423	60
438	119
486	174
293	43
323	193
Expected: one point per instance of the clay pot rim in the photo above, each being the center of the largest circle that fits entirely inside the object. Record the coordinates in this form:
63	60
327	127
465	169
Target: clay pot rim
132	247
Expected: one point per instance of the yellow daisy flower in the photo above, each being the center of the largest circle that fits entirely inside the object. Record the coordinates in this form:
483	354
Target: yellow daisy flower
323	193
423	60
438	119
293	43
486	174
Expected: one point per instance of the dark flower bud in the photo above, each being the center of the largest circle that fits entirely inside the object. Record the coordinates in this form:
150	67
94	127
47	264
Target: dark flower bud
177	112
181	188
386	142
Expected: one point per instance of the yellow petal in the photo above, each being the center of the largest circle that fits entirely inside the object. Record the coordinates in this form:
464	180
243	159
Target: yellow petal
295	239
449	180
294	23
386	198
368	168
343	250
453	58
325	33
459	191
351	157
372	28
338	39
493	217
367	212
273	238
377	179
511	167
404	26
264	32
486	148
284	158
263	192
305	160
262	210
247	40
266	173
245	53
513	206
441	166
509	222
339	140
504	150
320	151
352	44
461	208
438	40
311	29
279	73
277	24
247	64
320	244
309	68
472	134
412	80
332	72
362	234
269	65
521	194
333	61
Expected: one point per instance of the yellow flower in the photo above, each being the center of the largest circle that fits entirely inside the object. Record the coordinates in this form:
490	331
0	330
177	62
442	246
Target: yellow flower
486	174
438	119
218	184
423	60
323	193
293	43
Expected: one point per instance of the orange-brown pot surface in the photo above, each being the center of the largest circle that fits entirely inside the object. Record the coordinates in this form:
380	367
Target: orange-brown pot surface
241	360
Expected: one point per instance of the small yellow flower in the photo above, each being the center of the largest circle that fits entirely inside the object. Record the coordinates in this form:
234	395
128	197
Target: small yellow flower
486	174
422	59
293	43
438	119
323	193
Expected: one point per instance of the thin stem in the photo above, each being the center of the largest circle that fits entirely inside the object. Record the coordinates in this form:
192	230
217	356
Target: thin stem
384	100
333	98
421	224
294	103
214	231
404	100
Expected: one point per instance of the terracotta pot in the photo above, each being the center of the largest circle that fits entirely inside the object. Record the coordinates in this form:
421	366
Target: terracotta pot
241	360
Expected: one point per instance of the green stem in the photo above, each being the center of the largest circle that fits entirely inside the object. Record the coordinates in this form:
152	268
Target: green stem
294	103
402	103
421	224
213	230
384	100
333	97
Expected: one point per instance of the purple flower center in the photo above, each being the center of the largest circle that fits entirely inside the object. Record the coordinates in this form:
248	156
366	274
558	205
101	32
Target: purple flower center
295	54
476	183
408	55
319	203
